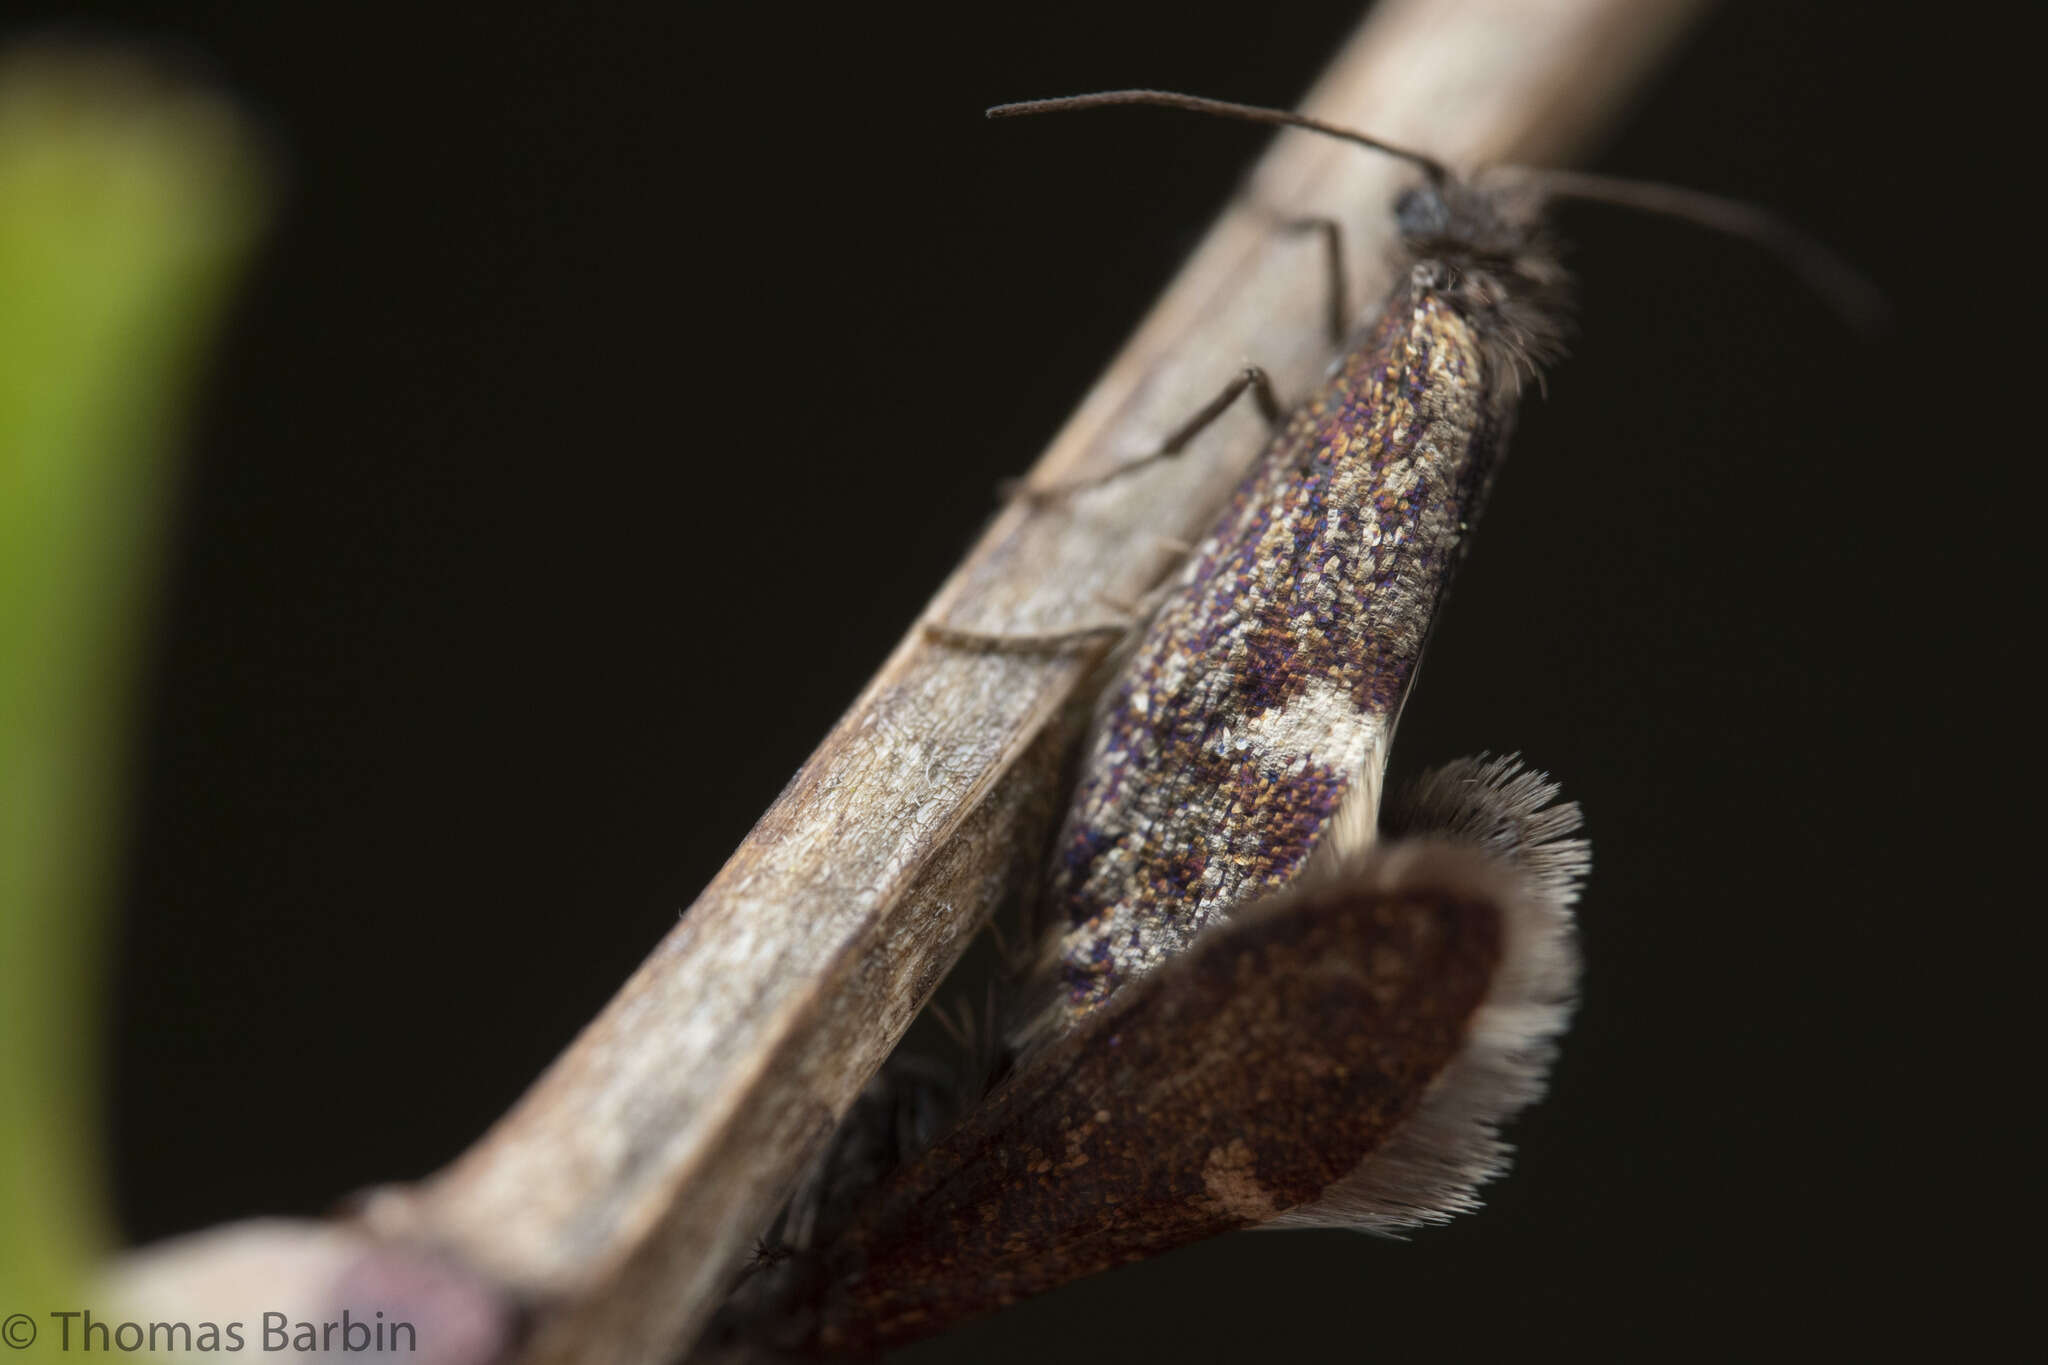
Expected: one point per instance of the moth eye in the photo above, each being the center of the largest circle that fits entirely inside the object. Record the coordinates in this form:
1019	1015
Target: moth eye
1421	212
1432	275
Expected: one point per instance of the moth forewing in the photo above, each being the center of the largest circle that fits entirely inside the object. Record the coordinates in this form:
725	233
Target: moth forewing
1431	1168
1268	682
1341	1053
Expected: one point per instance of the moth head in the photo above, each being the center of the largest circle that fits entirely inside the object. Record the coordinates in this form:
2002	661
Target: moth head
1421	213
1450	217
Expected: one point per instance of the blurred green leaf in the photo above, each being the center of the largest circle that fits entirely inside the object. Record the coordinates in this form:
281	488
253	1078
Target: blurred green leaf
126	203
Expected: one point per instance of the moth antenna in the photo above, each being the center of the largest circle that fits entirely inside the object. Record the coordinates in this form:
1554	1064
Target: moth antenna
1437	172
1859	302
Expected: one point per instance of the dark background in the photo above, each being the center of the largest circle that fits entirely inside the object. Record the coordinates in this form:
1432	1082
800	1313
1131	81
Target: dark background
618	384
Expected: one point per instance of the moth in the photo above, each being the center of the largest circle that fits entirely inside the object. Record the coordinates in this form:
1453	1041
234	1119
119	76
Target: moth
1264	1002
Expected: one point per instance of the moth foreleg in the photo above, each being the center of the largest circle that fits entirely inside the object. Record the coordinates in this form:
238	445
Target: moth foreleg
1339	316
1251	378
1139	615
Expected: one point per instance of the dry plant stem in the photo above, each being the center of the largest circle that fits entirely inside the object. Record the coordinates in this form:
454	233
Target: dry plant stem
621	1194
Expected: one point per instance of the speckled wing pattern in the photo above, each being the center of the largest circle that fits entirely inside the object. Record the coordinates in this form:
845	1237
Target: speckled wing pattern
1269	682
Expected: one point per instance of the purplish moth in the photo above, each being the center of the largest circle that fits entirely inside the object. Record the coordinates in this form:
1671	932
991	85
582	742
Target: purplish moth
1263	1012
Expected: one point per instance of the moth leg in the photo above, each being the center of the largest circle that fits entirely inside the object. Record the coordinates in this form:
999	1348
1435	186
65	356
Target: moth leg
1339	318
1135	616
1251	377
1178	552
1025	642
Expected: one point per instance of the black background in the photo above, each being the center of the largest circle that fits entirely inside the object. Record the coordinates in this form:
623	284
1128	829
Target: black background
617	385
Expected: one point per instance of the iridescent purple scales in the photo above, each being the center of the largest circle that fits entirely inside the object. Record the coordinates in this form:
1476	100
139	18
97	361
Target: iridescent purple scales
1269	682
